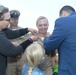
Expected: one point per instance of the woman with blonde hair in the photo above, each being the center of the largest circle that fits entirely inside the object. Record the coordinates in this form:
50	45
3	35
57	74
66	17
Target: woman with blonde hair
34	55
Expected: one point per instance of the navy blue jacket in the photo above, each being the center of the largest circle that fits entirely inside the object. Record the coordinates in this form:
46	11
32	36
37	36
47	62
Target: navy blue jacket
63	38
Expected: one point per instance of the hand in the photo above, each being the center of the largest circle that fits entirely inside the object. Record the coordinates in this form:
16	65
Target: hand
33	31
54	60
34	38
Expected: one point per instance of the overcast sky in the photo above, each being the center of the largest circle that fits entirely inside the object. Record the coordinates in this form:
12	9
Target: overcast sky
32	9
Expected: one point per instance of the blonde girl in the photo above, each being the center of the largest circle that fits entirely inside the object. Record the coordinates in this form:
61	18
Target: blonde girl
34	54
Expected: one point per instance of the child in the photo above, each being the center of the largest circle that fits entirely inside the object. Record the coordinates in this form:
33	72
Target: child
34	55
55	64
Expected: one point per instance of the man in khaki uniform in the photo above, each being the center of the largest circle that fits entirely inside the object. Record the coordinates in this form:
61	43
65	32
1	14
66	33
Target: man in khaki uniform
14	65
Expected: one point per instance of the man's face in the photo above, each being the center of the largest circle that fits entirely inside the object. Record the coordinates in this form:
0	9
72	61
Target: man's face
13	21
42	26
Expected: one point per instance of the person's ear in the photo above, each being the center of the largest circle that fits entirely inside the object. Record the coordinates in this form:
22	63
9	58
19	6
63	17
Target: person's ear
65	13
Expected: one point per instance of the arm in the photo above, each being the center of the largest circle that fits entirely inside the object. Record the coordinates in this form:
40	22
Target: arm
10	34
54	41
8	49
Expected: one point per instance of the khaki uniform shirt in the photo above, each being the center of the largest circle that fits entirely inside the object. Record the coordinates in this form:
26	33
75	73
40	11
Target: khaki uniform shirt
45	65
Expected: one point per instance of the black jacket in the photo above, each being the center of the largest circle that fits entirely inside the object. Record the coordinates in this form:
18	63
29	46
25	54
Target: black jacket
7	48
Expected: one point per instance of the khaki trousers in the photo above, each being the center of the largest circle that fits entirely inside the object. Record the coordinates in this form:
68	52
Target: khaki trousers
14	66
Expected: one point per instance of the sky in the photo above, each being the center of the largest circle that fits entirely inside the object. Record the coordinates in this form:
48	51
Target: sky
31	9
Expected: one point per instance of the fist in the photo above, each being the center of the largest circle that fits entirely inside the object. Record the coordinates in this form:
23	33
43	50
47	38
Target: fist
34	38
33	31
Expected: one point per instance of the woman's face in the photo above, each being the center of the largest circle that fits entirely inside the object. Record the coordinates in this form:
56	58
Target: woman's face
5	22
42	26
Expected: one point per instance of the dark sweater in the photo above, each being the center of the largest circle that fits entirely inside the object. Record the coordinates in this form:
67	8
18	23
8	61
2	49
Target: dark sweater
7	48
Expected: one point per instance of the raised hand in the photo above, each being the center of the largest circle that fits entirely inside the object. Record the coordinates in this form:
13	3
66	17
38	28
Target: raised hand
33	31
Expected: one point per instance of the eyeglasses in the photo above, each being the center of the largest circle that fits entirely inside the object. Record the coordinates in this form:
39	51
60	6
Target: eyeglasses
7	20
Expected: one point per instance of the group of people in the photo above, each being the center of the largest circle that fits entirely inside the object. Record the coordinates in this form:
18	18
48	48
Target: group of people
24	53
15	64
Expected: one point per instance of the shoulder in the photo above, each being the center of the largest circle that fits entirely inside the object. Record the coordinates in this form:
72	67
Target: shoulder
6	30
61	22
62	19
19	27
37	71
24	69
59	19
